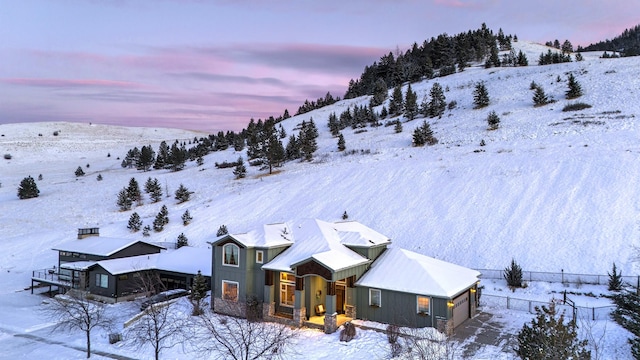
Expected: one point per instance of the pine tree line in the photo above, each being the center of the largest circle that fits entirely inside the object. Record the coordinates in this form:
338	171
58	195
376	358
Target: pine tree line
440	56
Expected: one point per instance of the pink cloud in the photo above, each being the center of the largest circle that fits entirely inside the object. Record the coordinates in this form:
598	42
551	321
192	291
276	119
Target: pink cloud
67	83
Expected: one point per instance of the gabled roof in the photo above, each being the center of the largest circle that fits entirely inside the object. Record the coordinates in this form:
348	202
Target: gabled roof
406	271
315	240
186	260
268	236
99	245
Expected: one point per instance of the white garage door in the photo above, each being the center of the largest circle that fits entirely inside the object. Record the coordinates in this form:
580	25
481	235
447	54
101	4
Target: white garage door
460	309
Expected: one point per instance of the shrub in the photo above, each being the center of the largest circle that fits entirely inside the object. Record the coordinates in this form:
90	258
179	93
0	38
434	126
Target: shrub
548	337
575	107
493	120
7	156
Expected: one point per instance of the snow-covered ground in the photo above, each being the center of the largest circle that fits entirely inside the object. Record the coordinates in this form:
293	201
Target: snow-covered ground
553	190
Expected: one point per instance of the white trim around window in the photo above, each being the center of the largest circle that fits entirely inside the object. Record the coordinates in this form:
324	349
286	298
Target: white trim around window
259	256
423	304
375	297
230	290
231	255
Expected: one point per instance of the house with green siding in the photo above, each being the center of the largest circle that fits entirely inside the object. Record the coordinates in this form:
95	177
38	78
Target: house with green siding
321	274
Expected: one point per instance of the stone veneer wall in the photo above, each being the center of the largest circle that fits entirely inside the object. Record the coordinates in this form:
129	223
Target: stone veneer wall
228	307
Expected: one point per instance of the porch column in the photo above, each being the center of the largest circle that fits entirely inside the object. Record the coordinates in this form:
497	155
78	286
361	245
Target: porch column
269	305
350	310
299	308
331	316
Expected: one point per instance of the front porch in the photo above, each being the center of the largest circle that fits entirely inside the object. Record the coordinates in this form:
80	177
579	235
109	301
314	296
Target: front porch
317	322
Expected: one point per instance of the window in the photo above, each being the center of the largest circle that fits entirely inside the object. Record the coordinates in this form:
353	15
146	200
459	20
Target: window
230	255
123	277
230	290
423	304
102	280
287	289
375	297
259	256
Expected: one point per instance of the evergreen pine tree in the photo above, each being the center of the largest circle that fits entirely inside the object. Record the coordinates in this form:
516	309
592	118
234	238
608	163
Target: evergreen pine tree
396	106
345	216
334	124
493	120
133	191
575	90
438	102
274	152
182	194
146	158
177	157
199	291
146	231
513	275
99	178
135	223
410	104
423	135
307	138
28	188
397	127
181	241
222	230
186	218
549	337
124	201
615	279
240	171
539	97
379	92
79	171
293	148
341	144
627	315
161	219
480	96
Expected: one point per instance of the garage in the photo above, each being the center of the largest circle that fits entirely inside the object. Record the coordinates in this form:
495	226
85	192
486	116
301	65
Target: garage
460	309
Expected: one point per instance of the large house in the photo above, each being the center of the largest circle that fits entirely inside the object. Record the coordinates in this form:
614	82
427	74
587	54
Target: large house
322	274
111	268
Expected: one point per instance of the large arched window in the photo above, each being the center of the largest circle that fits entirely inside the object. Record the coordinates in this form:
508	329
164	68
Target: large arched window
231	255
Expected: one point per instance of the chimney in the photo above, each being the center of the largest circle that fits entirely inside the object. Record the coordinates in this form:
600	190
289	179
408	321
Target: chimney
86	232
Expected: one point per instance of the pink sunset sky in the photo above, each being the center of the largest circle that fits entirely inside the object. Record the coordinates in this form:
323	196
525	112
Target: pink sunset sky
214	64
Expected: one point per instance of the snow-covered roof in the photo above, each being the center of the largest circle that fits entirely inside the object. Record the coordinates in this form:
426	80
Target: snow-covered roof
186	260
77	265
99	245
270	235
317	240
406	271
356	234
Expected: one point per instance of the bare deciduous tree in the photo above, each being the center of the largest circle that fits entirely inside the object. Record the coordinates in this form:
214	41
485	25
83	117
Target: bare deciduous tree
421	343
227	337
160	325
76	311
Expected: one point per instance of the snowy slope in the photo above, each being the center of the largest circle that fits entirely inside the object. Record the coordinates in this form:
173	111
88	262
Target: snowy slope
553	190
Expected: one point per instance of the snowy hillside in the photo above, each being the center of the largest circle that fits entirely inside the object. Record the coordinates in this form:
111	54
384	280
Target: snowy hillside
553	190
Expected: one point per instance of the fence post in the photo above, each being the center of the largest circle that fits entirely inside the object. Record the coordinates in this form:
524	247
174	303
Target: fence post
562	275
593	314
508	303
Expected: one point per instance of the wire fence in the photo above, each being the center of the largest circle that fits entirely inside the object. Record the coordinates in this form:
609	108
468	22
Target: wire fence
573	311
560	277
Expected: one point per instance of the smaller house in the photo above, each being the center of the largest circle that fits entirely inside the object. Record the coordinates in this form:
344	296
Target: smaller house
124	279
75	257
